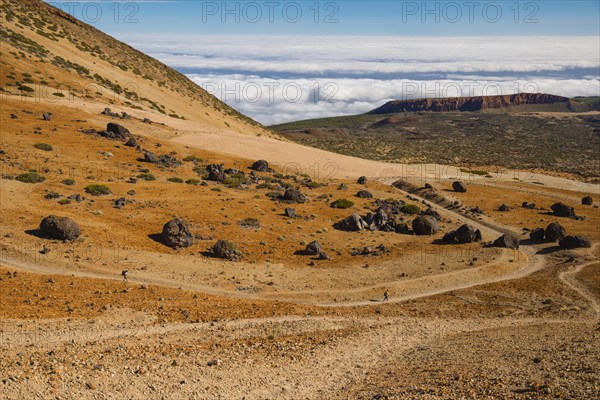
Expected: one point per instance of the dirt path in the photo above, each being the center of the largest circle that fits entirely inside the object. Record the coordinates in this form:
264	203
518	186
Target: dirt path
569	279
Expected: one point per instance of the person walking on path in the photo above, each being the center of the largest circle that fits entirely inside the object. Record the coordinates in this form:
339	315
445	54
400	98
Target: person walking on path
124	274
386	295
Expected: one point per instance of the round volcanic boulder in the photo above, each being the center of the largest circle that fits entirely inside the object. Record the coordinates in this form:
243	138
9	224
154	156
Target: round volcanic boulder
362	180
504	208
118	131
587	201
292	195
528	205
176	233
260	166
537	234
131	142
150	157
563	210
62	228
314	248
572	242
508	240
425	225
364	194
467	234
290	212
555	232
458	186
227	250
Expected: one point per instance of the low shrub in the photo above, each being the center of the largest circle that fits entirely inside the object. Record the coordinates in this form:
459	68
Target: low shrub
43	146
410	209
342	203
97	190
251	223
30	177
147	176
69	182
175	180
193	181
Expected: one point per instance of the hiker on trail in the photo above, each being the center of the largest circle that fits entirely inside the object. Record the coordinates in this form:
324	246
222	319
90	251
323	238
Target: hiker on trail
386	295
124	273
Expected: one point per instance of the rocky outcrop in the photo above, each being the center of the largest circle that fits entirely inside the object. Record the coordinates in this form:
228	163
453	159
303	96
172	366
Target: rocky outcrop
555	232
61	228
292	195
468	103
464	234
227	250
352	223
572	242
458	186
261	166
563	210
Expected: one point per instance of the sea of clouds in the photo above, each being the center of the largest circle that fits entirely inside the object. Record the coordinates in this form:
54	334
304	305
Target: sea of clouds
287	78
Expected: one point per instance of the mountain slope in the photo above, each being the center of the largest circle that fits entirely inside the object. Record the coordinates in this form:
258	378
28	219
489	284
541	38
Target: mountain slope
46	53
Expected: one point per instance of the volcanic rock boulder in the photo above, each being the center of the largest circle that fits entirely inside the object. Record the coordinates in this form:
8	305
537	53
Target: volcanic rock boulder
467	234
215	172
227	250
290	212
292	195
527	205
555	232
504	208
587	201
131	142
62	228
425	225
261	166
537	234
364	194
432	213
562	210
176	233
314	248
458	186
362	180
508	240
150	157
571	242
118	131
47	116
352	223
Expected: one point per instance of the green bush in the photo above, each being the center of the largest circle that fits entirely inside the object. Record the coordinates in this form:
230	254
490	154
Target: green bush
25	88
273	195
30	177
64	201
69	182
235	181
279	176
313	185
410	209
216	189
43	146
147	176
192	158
175	180
97	190
265	186
193	181
58	94
342	203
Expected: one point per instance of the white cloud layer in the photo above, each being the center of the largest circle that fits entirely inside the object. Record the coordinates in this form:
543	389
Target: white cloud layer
288	78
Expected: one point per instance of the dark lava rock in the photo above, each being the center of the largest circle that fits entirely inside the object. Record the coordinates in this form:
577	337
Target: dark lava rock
147	121
292	195
364	194
118	131
227	250
537	234
458	186
467	234
425	225
562	210
260	166
150	157
571	242
131	142
314	248
362	180
62	228
587	201
508	240
47	116
290	212
176	233
352	223
120	202
215	172
107	111
504	208
530	206
555	232
169	161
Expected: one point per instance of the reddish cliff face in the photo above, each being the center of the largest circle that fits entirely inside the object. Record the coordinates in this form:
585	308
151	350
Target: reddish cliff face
468	103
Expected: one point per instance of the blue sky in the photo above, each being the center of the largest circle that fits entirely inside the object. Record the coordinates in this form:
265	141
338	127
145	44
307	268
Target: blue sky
373	17
279	61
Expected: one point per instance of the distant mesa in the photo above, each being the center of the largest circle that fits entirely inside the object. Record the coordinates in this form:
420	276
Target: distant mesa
477	103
